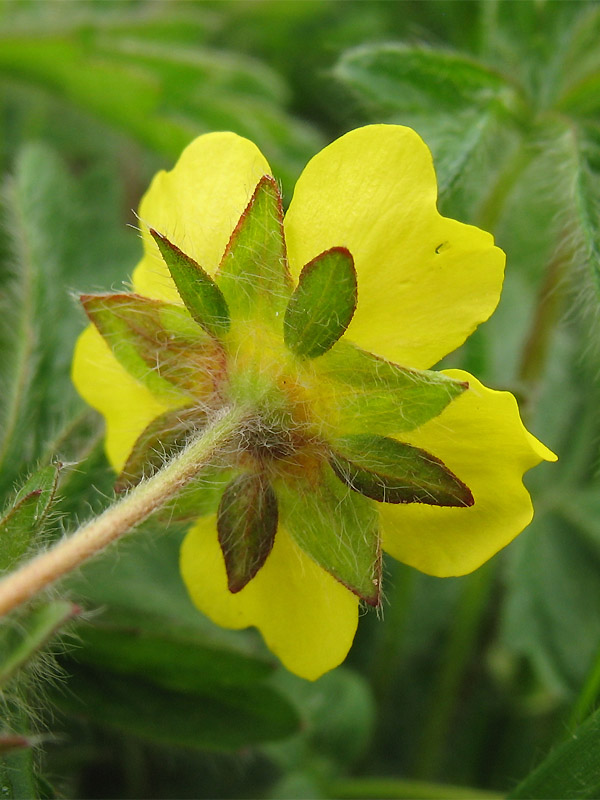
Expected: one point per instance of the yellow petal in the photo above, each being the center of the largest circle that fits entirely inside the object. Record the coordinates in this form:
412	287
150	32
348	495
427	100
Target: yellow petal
424	281
127	406
481	438
197	205
306	617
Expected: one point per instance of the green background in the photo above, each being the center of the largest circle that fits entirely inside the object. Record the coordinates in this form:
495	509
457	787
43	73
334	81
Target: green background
462	687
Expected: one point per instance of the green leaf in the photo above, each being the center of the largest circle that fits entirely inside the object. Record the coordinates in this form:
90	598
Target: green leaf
551	614
158	344
587	207
336	527
571	770
222	719
17	779
398	77
253	274
199	292
174	658
21	641
247	523
373	395
394	472
25	519
322	304
37	206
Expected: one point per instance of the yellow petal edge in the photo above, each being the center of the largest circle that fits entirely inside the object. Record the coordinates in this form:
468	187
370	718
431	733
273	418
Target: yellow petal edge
197	205
306	617
481	438
424	281
127	406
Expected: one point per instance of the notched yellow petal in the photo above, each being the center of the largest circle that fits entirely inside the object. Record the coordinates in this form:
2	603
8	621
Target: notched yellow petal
481	438
306	617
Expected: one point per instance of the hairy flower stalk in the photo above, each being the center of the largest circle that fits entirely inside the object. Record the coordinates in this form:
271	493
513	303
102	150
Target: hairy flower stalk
135	507
318	330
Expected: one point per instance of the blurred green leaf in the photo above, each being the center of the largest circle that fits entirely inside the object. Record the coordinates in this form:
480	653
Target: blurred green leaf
36	212
26	517
552	611
571	770
397	77
222	719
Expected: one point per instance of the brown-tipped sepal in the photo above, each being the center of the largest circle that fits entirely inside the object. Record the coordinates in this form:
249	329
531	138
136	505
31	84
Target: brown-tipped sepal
246	524
253	274
158	344
390	471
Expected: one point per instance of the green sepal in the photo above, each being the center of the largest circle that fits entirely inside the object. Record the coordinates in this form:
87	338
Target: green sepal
27	515
246	524
253	274
201	295
158	344
163	439
395	472
336	527
372	395
322	304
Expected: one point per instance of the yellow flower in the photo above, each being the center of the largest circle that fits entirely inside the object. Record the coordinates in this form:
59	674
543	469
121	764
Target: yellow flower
424	284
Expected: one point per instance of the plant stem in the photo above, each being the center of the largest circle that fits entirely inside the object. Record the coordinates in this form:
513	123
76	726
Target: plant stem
135	507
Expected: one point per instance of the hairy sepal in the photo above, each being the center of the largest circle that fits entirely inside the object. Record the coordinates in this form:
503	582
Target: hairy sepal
253	274
246	524
322	304
158	344
201	295
390	471
336	527
373	395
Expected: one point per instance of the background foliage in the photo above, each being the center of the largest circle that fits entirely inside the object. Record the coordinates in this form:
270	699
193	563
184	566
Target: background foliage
122	689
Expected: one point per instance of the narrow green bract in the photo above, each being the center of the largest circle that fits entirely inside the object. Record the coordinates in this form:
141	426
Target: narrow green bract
196	288
322	305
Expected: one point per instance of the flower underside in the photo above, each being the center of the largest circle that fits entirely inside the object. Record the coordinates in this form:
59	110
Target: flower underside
318	448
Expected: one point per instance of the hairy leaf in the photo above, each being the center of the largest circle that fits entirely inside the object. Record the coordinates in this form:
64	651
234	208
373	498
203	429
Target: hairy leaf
571	770
19	643
26	517
322	304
